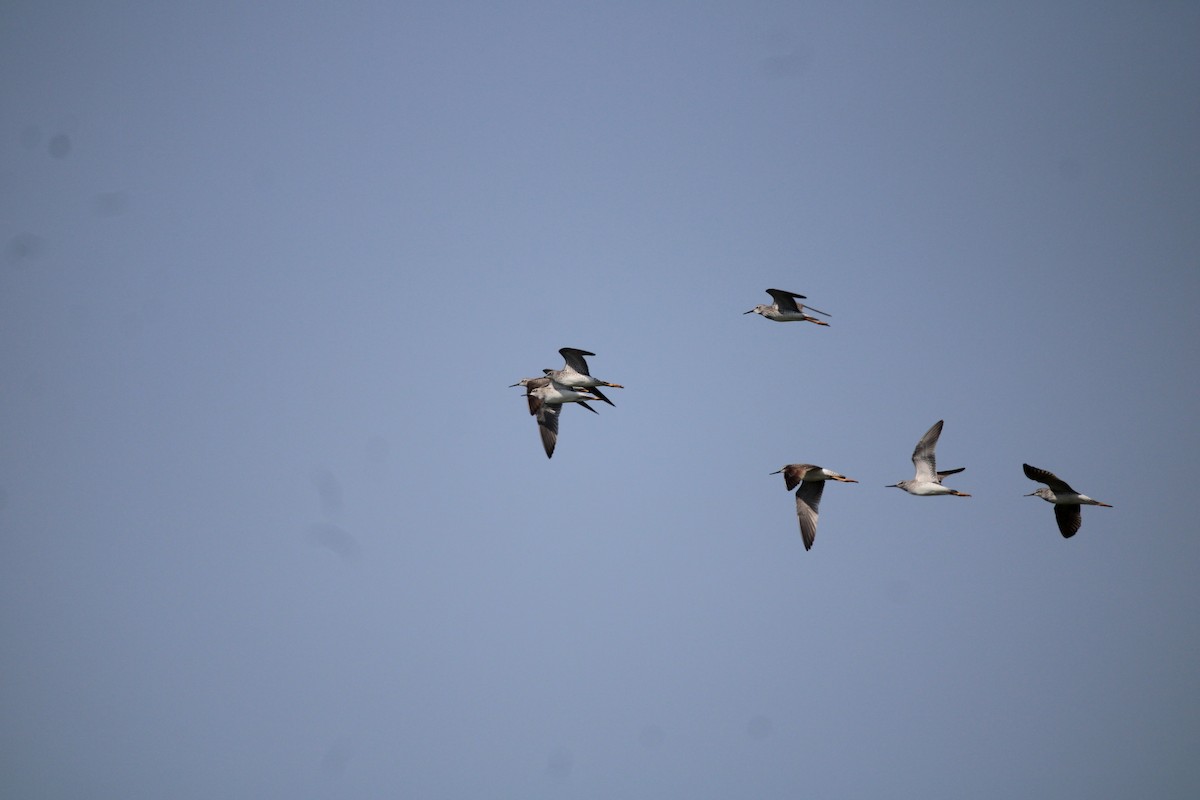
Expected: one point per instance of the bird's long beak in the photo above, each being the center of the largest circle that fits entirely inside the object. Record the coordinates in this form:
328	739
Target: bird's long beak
513	384
1106	505
844	479
1031	494
776	472
892	486
614	385
751	311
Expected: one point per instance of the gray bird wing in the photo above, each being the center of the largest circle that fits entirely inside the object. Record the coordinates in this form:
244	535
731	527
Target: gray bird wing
547	419
923	457
808	499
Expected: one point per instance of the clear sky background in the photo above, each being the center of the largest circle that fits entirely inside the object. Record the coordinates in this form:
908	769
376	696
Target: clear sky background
273	525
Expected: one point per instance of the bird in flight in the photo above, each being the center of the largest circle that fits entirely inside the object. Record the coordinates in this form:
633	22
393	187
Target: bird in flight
1066	500
811	480
928	481
786	309
575	373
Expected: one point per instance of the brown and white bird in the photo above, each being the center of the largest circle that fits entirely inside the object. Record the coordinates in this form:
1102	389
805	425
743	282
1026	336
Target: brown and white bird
1065	499
811	480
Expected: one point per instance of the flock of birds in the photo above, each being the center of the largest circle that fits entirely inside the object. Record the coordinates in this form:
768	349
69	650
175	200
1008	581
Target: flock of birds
571	384
574	384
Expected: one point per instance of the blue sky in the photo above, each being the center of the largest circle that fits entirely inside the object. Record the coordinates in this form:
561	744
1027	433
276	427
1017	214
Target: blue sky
274	525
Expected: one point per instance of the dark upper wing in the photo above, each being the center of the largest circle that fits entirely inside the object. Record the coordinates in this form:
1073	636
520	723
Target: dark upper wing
600	395
1048	478
574	358
946	472
786	301
547	419
1069	518
808	499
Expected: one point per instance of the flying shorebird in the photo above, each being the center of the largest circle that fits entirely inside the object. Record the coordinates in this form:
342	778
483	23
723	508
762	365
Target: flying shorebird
1066	500
812	482
545	402
575	373
786	309
928	480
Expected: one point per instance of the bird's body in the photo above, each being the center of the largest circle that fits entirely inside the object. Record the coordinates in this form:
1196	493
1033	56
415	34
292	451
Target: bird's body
546	399
549	391
811	480
926	488
575	374
1066	500
786	309
928	481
